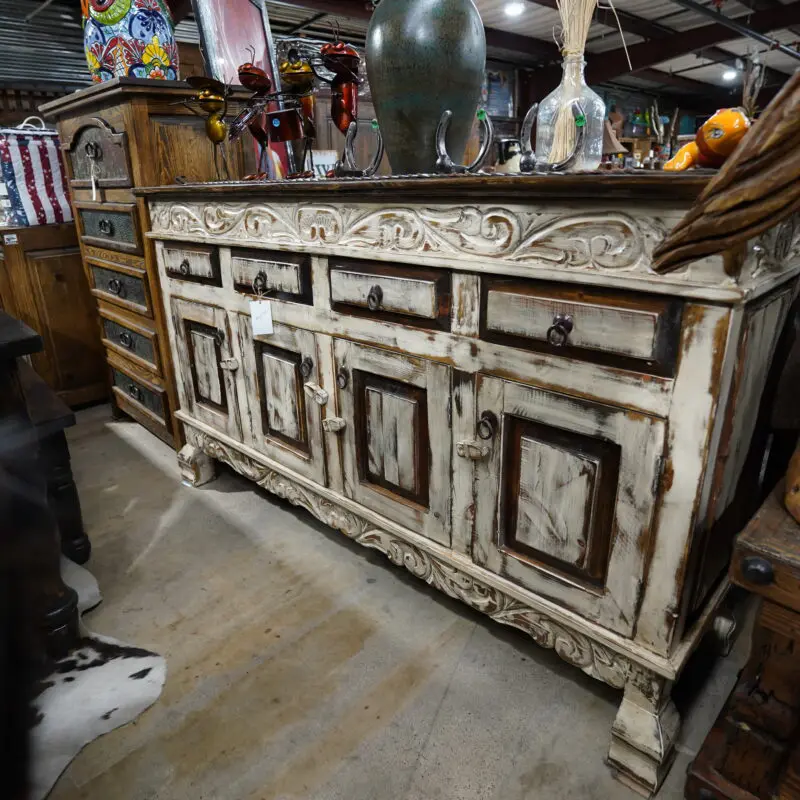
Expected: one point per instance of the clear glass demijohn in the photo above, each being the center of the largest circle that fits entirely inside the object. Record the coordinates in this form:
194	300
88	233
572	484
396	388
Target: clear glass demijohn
554	138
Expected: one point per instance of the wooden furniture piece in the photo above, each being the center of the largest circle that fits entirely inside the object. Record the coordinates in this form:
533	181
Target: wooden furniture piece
50	417
483	379
753	750
30	568
115	136
43	284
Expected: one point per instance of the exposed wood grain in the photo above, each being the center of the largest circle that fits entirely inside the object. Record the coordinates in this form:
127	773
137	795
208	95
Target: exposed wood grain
399	295
757	188
282	396
204	353
466	304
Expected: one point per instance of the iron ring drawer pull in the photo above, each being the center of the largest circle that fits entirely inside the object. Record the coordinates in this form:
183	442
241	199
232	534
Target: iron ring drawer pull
184	267
260	282
135	392
487	425
306	367
219	337
558	333
93	150
758	570
106	227
342	378
375	298
126	340
115	287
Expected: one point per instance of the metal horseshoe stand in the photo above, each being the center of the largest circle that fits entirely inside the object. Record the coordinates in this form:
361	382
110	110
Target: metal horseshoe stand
529	163
444	163
346	166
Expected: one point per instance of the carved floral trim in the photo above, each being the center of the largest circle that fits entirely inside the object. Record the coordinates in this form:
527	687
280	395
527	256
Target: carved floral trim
594	659
605	240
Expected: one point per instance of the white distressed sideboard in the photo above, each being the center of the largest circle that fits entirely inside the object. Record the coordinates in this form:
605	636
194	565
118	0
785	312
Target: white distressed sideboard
483	379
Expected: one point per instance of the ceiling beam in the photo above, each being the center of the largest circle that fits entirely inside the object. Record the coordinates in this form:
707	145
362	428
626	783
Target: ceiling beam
609	65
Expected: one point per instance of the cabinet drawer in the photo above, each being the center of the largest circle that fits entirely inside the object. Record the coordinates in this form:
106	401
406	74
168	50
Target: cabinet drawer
286	276
130	338
637	331
195	263
125	286
110	225
419	297
154	401
97	148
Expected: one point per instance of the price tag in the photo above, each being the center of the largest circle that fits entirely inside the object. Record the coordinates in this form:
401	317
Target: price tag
261	317
11	238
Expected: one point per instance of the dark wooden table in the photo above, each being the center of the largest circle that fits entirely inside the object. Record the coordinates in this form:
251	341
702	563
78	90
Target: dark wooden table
753	750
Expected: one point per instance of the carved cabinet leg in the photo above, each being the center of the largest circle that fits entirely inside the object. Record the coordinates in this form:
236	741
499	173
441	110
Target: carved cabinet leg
644	732
196	467
63	497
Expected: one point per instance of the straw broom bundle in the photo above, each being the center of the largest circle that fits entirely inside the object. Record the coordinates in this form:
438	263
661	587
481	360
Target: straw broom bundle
576	17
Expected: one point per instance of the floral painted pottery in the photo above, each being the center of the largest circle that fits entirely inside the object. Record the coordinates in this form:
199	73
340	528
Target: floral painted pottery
425	57
132	38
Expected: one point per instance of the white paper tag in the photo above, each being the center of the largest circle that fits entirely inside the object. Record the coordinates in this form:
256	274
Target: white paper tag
261	317
11	238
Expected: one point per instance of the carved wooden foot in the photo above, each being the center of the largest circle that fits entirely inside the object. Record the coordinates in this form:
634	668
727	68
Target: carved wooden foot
196	467
644	732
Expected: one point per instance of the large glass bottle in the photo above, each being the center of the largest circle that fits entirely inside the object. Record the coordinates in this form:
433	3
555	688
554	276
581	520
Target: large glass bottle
554	137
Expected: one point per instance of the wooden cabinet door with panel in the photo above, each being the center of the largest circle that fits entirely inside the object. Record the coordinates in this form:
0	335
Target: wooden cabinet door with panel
396	436
206	365
286	401
565	493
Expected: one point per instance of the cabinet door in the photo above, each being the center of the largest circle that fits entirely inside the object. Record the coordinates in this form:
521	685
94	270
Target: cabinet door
397	439
206	365
565	497
281	376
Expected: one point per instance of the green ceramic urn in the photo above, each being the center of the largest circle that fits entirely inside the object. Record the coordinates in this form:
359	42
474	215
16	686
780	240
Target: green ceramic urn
423	58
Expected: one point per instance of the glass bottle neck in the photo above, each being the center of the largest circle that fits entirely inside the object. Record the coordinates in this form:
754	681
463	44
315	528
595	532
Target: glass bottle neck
573	67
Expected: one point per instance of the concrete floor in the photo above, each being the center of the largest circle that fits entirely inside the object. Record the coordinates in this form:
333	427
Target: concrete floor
303	666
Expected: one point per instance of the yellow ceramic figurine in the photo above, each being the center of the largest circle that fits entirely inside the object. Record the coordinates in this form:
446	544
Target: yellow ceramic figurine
715	141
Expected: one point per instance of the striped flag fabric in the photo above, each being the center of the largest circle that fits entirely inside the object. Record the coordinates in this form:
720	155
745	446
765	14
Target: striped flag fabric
36	188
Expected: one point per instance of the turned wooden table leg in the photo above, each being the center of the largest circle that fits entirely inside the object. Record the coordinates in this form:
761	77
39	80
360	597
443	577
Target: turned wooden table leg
196	467
644	732
63	497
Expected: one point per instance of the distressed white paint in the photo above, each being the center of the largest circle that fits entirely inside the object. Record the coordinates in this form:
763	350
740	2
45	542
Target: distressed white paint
283	396
398	295
556	500
625	331
204	351
578	243
280	276
198	260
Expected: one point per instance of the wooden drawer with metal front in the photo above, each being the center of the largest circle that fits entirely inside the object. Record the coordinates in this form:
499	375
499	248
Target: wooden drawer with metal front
125	285
635	331
98	156
113	225
393	293
130	336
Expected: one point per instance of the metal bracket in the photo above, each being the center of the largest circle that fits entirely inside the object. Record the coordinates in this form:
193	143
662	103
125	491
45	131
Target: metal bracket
472	450
231	364
444	163
316	392
333	424
346	166
528	161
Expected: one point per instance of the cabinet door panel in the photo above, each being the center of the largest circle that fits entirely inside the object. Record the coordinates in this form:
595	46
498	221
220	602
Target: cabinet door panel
397	443
286	420
206	365
564	501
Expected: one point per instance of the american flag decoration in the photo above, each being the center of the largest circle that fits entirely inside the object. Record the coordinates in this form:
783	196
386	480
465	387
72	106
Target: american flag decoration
35	183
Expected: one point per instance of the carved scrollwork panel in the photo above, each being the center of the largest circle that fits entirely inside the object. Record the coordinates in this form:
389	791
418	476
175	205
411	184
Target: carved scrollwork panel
576	648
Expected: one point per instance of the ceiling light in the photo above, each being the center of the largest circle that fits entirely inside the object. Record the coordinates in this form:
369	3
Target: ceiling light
729	75
514	9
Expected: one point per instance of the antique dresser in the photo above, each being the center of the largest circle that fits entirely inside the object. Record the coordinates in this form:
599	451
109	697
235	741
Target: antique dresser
483	379
116	135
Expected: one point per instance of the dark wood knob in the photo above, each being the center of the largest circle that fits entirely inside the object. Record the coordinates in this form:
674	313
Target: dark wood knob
342	378
558	333
185	267
375	298
306	367
106	227
115	286
126	340
757	570
487	425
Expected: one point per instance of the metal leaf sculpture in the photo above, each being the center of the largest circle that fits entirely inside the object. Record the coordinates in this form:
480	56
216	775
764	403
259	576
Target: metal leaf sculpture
757	188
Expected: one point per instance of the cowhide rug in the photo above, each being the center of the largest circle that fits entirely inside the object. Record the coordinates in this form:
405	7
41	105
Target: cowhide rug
99	686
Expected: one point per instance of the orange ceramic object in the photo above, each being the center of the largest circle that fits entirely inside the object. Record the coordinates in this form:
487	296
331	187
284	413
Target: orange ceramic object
715	141
792	497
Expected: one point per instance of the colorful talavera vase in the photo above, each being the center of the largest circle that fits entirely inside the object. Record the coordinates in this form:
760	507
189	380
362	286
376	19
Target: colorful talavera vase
132	38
